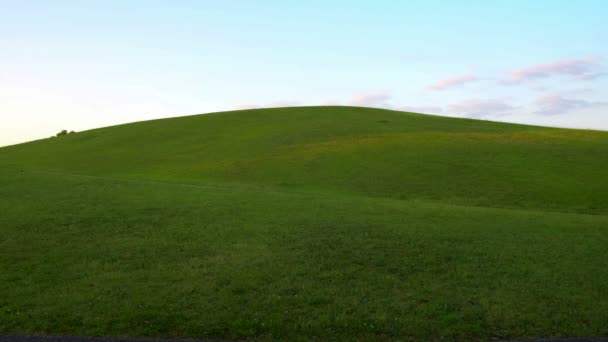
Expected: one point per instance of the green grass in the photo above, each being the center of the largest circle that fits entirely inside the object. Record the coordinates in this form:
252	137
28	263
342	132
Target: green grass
329	223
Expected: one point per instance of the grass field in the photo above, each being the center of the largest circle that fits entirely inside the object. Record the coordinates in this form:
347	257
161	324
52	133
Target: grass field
329	223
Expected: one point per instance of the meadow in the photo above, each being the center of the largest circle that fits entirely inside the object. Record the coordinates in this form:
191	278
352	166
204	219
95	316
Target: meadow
322	223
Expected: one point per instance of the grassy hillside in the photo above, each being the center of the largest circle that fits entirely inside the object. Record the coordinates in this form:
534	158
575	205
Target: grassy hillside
356	150
307	223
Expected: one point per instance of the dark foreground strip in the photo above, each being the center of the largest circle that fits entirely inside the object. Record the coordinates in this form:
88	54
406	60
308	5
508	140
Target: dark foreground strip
570	339
20	338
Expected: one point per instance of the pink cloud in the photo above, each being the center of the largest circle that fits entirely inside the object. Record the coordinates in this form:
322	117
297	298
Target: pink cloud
587	77
583	68
539	88
576	91
479	107
379	99
452	82
556	104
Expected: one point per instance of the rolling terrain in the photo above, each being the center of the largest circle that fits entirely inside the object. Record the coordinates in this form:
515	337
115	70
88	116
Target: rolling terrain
303	223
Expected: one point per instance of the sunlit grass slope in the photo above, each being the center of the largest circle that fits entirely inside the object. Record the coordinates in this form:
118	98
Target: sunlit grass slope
345	149
313	223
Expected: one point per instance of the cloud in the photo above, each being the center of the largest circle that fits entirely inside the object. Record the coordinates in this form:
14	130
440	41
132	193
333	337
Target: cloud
452	82
576	91
379	99
539	88
582	69
556	104
421	109
566	92
480	108
587	77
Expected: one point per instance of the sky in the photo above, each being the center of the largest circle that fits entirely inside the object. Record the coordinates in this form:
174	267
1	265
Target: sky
78	65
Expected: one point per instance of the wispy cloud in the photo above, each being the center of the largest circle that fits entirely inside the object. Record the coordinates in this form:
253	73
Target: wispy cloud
577	91
377	99
582	69
557	104
481	107
421	109
539	88
452	82
586	77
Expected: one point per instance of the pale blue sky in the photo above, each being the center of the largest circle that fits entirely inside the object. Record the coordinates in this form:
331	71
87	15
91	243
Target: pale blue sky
82	64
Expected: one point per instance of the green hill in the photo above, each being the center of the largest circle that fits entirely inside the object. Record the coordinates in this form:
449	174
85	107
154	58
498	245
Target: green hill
344	149
307	223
